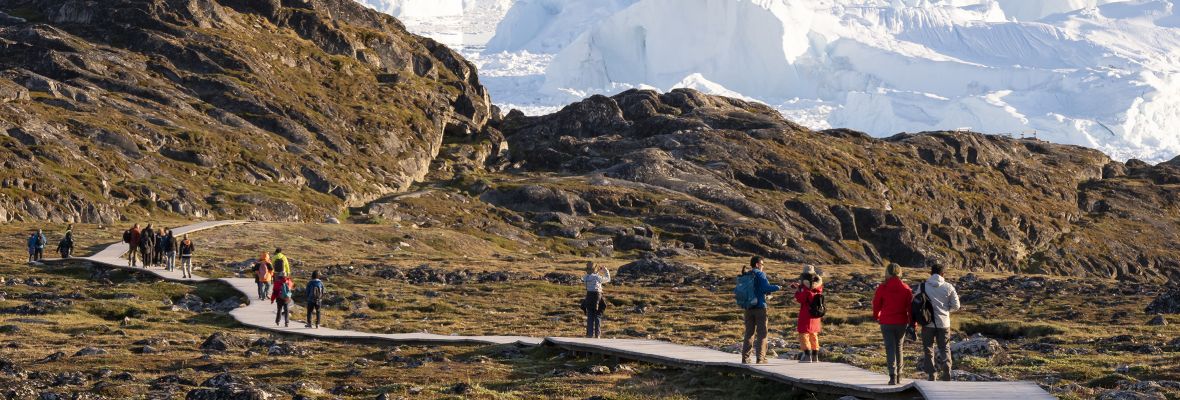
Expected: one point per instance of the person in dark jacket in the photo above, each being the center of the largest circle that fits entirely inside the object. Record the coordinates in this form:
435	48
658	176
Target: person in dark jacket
810	285
66	246
132	238
755	318
315	297
891	309
186	257
158	254
147	244
169	249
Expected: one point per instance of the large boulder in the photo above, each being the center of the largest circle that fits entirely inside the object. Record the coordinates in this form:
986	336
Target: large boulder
1166	303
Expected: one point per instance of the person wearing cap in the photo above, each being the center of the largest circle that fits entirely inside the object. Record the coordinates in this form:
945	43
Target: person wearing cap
891	309
809	286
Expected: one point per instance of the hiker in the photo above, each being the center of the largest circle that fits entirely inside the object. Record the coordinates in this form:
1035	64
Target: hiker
186	257
807	290
65	247
282	271
315	297
754	312
169	249
262	275
132	237
36	245
147	243
158	254
891	309
943	300
282	297
594	304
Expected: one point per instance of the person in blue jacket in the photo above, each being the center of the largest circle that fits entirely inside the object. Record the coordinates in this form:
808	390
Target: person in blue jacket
36	246
755	317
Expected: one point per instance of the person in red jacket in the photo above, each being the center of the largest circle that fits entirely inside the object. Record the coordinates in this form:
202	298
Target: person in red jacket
810	284
891	308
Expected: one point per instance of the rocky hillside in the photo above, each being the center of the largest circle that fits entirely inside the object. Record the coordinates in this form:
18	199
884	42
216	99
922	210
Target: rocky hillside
301	109
262	109
723	175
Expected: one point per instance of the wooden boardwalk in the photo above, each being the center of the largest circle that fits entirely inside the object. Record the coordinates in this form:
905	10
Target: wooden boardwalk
824	377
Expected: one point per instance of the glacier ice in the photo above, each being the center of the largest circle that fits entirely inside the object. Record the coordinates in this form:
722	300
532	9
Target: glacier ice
1102	74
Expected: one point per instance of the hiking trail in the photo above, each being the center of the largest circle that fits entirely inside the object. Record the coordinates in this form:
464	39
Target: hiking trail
824	377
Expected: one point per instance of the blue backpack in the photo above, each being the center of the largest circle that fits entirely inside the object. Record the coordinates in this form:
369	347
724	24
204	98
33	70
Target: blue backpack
746	294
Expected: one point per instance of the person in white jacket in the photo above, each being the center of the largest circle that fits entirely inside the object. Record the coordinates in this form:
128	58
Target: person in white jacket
594	303
944	300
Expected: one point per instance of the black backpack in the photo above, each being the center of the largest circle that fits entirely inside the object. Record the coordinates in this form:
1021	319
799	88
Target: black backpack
921	309
817	308
127	236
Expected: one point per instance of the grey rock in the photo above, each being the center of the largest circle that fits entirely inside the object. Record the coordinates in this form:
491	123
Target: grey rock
89	351
1166	303
976	346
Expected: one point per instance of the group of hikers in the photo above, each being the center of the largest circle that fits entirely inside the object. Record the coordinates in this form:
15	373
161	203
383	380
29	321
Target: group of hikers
151	247
37	242
896	307
274	280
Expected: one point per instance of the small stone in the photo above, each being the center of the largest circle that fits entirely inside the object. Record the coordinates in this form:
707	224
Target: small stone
1159	320
332	220
89	351
600	370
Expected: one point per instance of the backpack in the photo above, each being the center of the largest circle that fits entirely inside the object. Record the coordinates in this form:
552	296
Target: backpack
921	309
285	291
745	294
127	236
315	294
817	308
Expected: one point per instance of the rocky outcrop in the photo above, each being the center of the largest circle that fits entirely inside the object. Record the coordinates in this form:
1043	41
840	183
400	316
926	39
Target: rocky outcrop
734	177
264	109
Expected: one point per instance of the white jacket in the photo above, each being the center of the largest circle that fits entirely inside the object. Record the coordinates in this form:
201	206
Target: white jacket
943	297
594	281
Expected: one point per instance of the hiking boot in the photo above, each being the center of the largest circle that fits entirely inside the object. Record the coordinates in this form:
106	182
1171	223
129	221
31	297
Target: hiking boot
763	361
307	325
806	358
892	380
815	356
745	360
930	377
317	326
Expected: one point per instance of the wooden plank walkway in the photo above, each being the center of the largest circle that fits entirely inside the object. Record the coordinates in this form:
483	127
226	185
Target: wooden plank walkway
834	378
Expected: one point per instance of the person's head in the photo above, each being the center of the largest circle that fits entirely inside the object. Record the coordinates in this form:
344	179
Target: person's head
185	236
69	227
38	231
892	270
315	274
264	257
756	262
809	270
136	226
278	250
936	269
591	267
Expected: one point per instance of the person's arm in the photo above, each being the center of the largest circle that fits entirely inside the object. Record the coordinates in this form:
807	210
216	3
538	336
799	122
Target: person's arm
878	302
953	300
605	275
764	285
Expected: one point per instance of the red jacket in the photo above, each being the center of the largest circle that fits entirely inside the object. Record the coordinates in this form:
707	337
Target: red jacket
806	323
891	303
